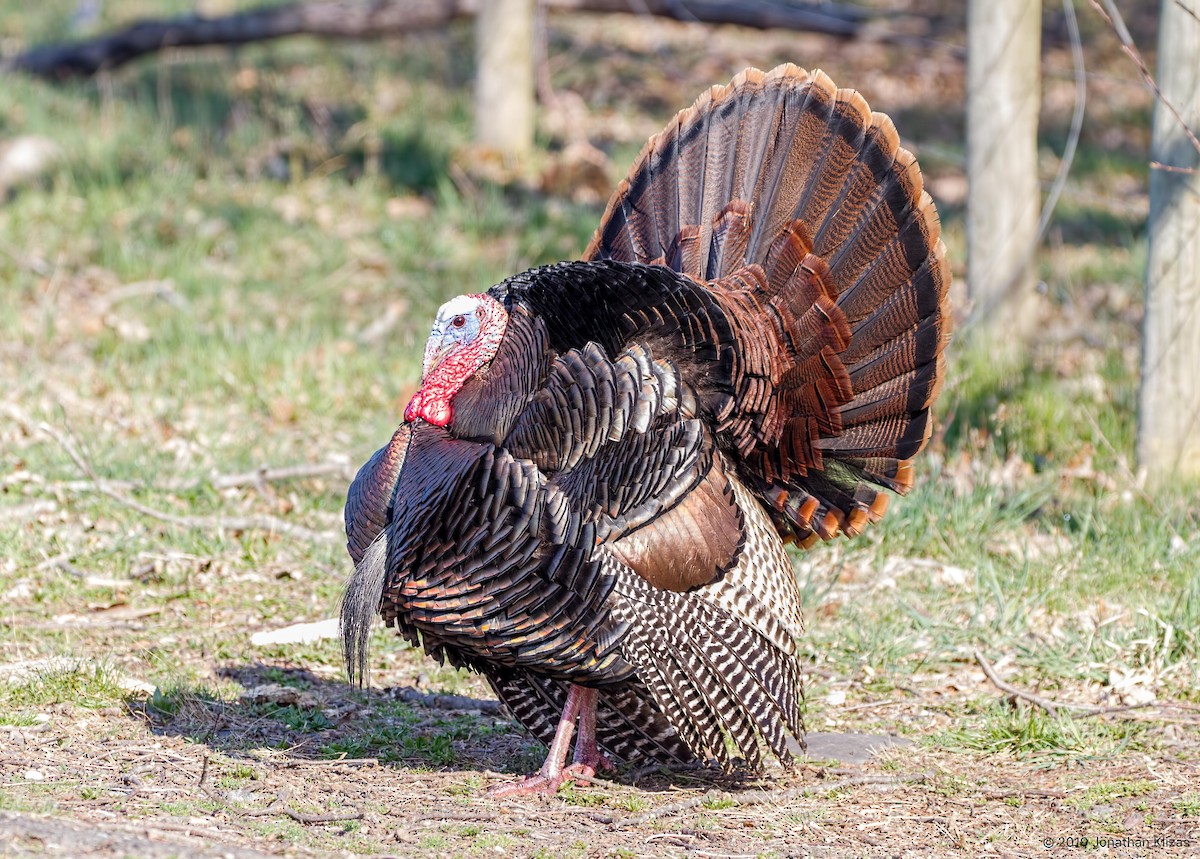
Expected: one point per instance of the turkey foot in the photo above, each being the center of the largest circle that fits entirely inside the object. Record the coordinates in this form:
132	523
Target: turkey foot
588	759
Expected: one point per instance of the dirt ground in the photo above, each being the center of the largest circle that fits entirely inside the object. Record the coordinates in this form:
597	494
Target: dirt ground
136	782
294	762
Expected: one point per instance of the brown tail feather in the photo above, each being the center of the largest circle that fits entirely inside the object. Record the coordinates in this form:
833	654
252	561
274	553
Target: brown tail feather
800	201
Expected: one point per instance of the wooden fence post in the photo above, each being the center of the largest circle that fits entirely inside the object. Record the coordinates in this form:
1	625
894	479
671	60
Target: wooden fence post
1169	408
504	84
1003	96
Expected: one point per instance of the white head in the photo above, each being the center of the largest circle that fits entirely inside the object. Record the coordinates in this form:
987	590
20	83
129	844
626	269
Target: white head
464	338
457	324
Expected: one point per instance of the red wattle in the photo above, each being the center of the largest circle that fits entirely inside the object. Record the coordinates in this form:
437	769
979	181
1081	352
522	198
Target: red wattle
432	409
448	374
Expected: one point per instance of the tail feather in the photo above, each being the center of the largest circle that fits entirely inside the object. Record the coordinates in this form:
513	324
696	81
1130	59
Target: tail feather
800	205
776	135
907	305
864	206
810	106
839	147
360	605
753	92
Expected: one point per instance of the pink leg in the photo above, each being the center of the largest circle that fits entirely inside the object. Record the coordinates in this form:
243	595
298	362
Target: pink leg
588	759
581	705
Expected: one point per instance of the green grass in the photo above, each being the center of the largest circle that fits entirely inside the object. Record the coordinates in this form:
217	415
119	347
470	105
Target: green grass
1030	733
79	683
397	732
1188	805
1104	793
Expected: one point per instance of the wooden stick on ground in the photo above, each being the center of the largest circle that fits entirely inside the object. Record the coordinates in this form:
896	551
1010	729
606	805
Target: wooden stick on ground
758	797
278	807
1046	704
1052	707
231	523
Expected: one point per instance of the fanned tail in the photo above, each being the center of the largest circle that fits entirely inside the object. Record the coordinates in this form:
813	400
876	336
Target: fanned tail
794	203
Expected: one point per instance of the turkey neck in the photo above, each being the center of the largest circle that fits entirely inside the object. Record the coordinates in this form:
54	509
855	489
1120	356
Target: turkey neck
487	405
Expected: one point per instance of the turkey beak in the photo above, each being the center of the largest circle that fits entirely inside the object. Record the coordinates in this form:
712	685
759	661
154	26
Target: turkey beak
435	353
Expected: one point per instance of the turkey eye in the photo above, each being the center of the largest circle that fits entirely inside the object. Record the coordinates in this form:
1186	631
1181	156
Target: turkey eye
458	321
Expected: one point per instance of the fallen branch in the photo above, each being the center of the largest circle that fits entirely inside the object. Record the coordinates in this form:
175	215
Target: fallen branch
1010	794
347	19
1046	704
336	762
759	797
278	807
264	474
231	523
259	477
1052	707
445	702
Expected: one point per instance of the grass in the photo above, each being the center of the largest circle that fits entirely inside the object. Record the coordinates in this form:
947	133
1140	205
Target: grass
1104	793
397	732
1188	805
1030	733
80	683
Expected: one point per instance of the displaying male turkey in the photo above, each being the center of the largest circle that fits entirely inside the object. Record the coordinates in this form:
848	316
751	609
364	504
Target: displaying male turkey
589	496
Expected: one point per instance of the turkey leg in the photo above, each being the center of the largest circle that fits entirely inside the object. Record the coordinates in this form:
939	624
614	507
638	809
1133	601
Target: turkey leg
588	759
581	705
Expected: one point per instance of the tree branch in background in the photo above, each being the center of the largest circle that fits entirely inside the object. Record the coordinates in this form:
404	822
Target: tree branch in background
363	19
1117	23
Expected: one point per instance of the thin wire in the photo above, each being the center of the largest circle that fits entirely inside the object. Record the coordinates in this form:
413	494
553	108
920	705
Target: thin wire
1068	156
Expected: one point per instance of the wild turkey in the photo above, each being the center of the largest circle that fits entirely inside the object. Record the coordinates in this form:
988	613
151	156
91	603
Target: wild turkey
589	496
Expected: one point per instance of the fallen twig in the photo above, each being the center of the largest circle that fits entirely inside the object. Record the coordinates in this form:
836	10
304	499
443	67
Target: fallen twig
759	797
1052	707
264	474
230	523
1009	794
335	762
1046	704
409	695
278	807
1119	708
871	705
261	476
